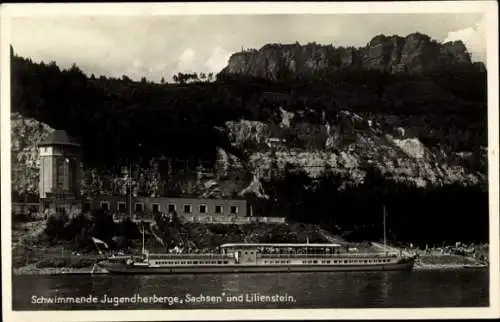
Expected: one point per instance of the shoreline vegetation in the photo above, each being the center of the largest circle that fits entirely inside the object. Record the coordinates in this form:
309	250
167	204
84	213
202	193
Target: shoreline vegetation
33	257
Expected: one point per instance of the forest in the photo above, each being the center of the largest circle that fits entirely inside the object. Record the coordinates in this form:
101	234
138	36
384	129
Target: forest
119	120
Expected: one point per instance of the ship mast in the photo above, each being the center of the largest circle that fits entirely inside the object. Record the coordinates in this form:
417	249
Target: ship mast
385	239
130	191
142	237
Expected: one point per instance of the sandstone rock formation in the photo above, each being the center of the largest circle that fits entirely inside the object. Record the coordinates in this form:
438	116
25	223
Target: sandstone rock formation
415	53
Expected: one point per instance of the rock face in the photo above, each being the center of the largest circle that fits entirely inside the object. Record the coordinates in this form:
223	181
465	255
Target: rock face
26	134
344	146
415	53
351	144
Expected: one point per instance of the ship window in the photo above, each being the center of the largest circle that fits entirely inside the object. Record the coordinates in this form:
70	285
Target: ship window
328	262
218	209
156	207
86	206
225	262
366	261
315	262
139	207
187	209
195	262
203	209
105	205
122	206
234	210
345	262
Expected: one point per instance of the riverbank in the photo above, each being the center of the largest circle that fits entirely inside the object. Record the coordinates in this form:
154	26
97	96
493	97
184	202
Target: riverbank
425	262
34	270
30	256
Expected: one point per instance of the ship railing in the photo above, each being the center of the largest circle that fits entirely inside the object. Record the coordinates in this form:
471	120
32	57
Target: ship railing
359	255
175	256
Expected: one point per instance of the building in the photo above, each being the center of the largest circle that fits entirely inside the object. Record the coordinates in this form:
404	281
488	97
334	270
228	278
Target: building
60	190
181	206
59	184
189	209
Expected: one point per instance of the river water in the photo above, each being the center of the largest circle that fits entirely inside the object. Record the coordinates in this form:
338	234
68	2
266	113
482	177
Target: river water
404	289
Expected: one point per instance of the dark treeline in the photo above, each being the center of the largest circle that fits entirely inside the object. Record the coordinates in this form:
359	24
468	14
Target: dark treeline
413	214
117	120
120	119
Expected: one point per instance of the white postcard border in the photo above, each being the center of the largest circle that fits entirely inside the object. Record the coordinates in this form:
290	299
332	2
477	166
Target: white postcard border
489	8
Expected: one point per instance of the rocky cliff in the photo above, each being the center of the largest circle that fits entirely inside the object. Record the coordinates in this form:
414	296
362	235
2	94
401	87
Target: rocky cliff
347	147
415	53
26	134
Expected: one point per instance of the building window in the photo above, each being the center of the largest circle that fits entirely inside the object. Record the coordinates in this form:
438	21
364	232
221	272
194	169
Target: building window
234	210
139	207
187	209
171	207
203	209
122	206
105	205
156	207
218	209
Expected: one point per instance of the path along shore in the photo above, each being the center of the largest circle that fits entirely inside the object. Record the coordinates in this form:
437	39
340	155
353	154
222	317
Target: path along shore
424	262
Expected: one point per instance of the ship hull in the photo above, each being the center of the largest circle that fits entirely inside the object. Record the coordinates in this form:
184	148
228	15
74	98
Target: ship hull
228	269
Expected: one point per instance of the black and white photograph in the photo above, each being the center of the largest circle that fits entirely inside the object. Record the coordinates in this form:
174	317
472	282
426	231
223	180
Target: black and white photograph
200	161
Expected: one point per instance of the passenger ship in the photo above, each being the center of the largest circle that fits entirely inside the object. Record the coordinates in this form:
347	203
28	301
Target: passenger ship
260	257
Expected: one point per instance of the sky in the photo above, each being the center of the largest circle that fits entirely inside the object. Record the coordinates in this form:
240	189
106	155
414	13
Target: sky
161	46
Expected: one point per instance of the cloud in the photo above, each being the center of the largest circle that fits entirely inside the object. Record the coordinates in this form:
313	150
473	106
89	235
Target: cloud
186	60
473	38
160	46
218	60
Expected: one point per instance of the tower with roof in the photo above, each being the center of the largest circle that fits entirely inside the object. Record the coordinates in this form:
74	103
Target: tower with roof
59	171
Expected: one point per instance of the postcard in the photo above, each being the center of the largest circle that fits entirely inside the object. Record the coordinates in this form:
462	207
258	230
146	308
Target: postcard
235	161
